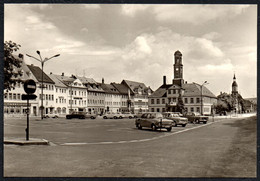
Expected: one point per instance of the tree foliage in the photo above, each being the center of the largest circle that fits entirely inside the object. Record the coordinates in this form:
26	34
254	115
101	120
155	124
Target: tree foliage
11	65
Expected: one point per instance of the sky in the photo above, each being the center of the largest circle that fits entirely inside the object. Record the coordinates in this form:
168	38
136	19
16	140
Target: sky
137	41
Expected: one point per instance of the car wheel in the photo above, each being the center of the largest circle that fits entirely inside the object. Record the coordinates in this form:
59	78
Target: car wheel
153	127
115	117
92	117
120	117
130	117
174	124
183	125
169	129
68	117
104	117
139	126
205	122
197	121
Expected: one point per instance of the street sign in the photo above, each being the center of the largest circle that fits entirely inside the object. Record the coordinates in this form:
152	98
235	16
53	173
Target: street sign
29	86
28	96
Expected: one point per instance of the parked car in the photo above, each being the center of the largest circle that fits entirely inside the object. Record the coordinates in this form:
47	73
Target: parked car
80	115
110	115
91	116
177	120
153	120
129	115
119	115
194	117
51	115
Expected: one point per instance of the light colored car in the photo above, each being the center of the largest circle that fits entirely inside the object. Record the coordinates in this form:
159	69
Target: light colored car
110	115
197	118
129	115
153	120
119	115
51	115
176	119
91	116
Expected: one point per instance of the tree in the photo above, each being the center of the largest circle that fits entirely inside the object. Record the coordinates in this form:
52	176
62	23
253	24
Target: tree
11	65
180	104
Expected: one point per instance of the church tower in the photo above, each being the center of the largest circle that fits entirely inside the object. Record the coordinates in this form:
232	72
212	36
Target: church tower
178	69
234	86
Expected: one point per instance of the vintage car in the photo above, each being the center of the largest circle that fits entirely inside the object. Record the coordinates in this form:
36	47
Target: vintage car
51	115
110	115
194	117
153	120
129	115
176	119
80	115
91	116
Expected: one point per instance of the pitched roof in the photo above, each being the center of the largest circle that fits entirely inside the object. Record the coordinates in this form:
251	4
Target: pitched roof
132	84
110	89
192	89
86	80
37	72
123	89
57	81
65	79
160	92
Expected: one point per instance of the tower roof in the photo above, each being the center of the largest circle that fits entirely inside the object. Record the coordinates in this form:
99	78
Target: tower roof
177	53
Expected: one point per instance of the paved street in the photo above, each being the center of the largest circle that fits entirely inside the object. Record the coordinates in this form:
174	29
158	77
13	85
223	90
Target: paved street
115	148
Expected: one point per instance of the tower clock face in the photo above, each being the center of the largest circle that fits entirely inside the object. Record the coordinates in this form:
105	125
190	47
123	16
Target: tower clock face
177	69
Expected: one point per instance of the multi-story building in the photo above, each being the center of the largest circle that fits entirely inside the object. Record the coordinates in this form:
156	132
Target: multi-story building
195	97
126	98
60	95
139	95
95	95
48	90
112	98
77	93
13	103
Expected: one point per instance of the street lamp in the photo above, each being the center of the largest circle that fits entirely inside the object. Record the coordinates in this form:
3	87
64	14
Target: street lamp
42	63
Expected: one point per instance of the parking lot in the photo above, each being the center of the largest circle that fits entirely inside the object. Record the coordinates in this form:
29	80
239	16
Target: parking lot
116	148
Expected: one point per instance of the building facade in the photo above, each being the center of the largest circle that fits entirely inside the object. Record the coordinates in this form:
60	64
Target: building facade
192	96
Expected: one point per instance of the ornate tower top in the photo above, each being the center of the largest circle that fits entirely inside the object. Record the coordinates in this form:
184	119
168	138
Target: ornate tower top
234	85
178	69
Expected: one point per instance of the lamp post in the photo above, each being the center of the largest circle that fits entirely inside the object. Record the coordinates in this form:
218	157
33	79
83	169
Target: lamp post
42	64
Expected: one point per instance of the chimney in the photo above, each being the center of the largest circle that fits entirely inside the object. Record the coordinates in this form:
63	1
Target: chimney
62	74
164	80
50	73
186	82
32	65
103	81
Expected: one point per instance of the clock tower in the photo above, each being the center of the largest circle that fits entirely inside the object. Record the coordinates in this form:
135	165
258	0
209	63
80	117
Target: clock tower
178	69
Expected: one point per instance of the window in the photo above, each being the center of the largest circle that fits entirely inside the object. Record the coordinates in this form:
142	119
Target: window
46	97
10	96
186	100
198	109
198	100
163	101
19	96
169	91
169	100
6	96
152	101
14	96
174	91
173	99
56	100
191	100
52	98
158	101
192	109
158	109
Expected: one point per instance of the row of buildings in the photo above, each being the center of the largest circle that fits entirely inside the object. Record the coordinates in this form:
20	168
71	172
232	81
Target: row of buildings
63	94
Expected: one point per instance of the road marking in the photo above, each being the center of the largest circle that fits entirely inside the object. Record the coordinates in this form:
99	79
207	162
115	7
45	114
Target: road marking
136	141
